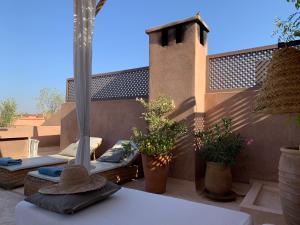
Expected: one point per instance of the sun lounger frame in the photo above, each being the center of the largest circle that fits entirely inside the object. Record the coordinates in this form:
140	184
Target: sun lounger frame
13	179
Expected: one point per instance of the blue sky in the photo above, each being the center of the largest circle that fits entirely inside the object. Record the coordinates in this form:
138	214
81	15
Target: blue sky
37	37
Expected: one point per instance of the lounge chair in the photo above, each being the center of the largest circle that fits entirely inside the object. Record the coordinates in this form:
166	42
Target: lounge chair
13	176
132	207
128	169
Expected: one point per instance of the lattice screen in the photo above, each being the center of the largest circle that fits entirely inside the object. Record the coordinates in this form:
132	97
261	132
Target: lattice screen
116	85
241	70
199	121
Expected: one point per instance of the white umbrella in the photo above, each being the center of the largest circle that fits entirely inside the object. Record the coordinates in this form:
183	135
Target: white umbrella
84	17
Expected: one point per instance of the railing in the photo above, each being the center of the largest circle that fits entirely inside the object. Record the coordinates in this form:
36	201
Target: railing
244	69
239	69
126	84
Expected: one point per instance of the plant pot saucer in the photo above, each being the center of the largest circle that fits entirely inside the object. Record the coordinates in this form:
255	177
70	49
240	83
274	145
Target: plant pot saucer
231	196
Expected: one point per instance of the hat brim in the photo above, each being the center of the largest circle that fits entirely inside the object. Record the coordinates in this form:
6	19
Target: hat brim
96	182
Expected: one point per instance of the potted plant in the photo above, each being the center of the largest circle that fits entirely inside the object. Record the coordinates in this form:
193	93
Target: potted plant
219	147
157	143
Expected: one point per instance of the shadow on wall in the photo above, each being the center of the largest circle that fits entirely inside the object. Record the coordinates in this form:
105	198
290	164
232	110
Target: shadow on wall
111	120
183	164
268	132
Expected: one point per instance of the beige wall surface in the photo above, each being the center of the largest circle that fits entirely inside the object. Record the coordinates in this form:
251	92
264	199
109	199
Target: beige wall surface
179	71
268	132
29	122
11	145
110	120
53	120
16	148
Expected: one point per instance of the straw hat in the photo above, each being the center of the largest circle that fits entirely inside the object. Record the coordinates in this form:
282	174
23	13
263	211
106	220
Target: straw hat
280	92
74	179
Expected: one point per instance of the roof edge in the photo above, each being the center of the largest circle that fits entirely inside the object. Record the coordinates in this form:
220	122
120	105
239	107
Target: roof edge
196	19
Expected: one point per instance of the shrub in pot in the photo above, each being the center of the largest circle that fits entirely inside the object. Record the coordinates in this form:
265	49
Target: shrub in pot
157	143
219	147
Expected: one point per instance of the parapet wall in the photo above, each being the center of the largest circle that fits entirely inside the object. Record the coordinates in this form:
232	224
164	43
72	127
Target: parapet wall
111	120
14	141
267	133
205	89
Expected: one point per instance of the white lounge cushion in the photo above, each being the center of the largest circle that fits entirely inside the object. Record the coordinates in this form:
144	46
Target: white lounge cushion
132	207
97	168
38	162
71	149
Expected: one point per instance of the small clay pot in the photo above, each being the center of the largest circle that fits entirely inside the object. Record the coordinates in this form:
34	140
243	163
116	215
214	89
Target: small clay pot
156	171
218	178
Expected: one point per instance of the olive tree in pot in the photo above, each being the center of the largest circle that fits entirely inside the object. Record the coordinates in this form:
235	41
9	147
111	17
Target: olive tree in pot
219	147
157	143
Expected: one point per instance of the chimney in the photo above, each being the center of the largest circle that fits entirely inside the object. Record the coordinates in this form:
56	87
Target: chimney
178	53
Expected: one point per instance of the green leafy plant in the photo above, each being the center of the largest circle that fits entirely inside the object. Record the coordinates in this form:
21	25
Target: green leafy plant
289	30
8	112
162	133
219	144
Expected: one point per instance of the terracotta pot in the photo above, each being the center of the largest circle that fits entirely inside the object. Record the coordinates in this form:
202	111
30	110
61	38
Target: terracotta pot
289	184
156	171
218	178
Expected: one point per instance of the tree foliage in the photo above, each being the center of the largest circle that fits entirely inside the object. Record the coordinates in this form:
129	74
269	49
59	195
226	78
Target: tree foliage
162	132
289	29
49	101
8	112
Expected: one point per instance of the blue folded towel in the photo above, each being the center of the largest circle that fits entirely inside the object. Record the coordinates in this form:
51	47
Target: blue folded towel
8	161
52	171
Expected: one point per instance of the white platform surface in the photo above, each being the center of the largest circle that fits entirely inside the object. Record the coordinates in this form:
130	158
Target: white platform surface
132	207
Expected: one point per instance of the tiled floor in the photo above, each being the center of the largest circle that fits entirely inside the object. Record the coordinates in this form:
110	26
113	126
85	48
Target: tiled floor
8	201
186	190
176	188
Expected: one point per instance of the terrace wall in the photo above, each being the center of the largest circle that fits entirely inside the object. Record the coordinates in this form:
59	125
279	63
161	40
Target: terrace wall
232	81
14	141
111	120
268	132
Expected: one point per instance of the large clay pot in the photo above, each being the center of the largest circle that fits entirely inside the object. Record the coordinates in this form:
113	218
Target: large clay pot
156	171
289	184
218	178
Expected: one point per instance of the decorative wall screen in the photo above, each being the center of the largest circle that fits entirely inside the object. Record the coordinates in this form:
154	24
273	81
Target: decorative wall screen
243	69
124	84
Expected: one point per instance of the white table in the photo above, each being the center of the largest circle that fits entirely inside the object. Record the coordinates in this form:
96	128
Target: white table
132	207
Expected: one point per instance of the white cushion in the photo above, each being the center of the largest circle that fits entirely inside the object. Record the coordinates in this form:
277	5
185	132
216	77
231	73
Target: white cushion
71	149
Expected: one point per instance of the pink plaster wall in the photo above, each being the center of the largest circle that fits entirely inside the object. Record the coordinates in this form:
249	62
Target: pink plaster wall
269	133
110	120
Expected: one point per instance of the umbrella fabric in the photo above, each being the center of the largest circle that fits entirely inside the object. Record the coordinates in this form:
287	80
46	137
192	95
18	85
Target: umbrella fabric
84	16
